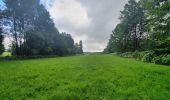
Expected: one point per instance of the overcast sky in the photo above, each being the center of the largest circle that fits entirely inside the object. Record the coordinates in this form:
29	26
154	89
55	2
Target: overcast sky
89	20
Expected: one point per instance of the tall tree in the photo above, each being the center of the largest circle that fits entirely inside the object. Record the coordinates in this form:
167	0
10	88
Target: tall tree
117	41
133	17
30	21
67	44
1	33
19	13
43	29
81	47
127	36
158	22
1	42
76	48
33	30
11	15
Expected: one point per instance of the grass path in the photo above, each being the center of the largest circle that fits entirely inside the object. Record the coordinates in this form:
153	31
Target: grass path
95	77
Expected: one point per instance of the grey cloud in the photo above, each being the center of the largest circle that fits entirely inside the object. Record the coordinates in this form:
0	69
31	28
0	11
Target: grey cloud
102	16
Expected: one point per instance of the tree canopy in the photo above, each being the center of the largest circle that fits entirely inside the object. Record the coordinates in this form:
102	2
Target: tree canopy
33	31
144	25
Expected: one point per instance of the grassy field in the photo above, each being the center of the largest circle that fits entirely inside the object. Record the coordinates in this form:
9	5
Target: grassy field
91	77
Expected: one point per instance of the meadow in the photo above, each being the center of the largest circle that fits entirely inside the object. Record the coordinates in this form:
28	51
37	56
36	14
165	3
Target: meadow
89	77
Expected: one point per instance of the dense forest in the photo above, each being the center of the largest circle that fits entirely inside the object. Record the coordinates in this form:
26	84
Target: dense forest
32	30
143	31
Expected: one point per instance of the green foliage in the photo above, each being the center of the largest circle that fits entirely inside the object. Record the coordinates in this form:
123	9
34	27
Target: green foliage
92	77
33	30
128	36
144	26
157	13
79	47
148	57
157	60
67	46
6	54
1	42
2	49
127	55
166	60
138	55
164	51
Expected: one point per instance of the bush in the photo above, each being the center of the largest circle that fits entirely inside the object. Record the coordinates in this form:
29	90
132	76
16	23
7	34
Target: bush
136	54
139	55
168	56
165	61
127	55
148	57
159	52
157	60
162	59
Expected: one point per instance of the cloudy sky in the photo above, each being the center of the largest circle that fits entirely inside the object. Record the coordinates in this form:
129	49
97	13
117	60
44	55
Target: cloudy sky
89	20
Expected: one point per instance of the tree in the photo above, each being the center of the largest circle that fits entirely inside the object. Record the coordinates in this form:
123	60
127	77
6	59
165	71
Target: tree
158	22
18	13
32	28
80	47
1	42
133	17
44	30
76	48
117	41
127	35
67	44
2	48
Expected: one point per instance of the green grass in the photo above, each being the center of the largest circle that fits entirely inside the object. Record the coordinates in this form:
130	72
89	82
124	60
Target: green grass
95	77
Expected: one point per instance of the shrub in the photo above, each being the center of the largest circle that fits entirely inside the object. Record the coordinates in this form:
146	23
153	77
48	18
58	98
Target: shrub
127	55
157	60
148	57
168	56
158	57
162	59
159	52
136	54
139	55
165	60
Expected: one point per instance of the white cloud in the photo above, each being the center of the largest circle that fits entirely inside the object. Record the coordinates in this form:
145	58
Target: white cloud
69	16
69	13
89	20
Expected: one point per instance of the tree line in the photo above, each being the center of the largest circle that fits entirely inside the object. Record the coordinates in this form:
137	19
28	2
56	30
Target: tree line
144	25
143	32
32	30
